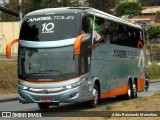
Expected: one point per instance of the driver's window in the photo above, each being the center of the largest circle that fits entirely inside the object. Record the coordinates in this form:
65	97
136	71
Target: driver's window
86	25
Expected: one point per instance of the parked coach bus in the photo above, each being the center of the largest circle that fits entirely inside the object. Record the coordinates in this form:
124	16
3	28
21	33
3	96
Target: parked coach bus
78	54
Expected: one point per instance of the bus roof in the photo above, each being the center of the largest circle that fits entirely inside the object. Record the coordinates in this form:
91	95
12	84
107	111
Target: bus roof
81	10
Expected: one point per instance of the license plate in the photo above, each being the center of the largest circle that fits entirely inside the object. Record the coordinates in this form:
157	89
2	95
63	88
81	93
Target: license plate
46	100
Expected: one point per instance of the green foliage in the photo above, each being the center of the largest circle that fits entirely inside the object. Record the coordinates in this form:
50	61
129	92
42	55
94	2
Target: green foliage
55	3
103	5
31	5
14	5
149	2
128	8
153	32
158	15
154	70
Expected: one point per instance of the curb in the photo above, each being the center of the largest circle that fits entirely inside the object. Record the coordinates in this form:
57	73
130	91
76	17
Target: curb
154	81
8	100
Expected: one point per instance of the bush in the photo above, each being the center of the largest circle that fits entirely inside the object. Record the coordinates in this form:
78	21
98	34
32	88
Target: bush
154	70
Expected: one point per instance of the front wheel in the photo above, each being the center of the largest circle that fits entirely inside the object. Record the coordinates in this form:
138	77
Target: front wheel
93	103
43	106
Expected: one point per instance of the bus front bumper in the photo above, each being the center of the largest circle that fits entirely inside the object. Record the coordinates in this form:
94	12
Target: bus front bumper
67	96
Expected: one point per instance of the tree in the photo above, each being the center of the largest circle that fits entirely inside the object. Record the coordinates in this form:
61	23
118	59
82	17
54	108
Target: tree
128	8
28	5
149	2
153	31
157	16
14	5
103	5
55	3
31	5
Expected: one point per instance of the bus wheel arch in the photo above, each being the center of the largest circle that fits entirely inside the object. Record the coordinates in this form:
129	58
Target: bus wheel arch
96	94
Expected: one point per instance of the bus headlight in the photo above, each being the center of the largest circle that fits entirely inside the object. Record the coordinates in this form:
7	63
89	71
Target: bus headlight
74	85
23	87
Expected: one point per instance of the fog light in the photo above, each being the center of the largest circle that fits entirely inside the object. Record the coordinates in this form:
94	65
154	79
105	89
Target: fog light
22	96
73	96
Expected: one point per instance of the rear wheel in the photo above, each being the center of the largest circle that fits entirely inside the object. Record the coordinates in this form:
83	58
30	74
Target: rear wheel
43	106
130	92
93	103
134	90
146	89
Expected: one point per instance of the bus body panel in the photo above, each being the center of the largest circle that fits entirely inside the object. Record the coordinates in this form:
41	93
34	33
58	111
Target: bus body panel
114	65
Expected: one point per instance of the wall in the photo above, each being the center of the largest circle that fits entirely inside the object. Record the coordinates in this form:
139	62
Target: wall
9	31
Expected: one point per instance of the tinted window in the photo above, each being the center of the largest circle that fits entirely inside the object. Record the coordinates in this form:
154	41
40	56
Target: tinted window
123	35
50	28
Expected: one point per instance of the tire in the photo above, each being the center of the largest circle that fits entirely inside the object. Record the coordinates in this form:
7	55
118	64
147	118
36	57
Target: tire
43	106
130	92
94	103
146	89
134	95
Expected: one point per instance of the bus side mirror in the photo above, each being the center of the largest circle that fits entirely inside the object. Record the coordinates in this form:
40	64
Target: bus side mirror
8	47
77	44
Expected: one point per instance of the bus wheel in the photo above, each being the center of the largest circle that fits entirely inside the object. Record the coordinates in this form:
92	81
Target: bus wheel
94	102
43	106
130	92
134	91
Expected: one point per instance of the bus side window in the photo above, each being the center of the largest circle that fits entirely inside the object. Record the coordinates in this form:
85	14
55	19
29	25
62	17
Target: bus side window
85	25
107	35
102	30
114	32
84	63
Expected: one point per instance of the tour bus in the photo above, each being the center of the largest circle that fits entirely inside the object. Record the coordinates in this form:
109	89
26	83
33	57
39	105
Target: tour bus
78	55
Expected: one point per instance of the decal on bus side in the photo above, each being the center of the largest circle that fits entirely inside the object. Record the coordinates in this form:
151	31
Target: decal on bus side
141	62
124	54
50	18
47	28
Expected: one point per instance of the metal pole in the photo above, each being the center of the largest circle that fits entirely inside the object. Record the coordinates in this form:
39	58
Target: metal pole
93	32
20	11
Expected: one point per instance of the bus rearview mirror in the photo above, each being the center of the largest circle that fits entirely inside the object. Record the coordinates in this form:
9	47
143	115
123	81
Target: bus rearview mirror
8	47
77	44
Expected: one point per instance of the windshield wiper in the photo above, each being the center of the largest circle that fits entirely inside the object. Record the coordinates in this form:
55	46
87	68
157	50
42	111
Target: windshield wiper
49	72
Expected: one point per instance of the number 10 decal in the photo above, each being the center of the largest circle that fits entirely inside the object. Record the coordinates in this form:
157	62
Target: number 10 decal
47	28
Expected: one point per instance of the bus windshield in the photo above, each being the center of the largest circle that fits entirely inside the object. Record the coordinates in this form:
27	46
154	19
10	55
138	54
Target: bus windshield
47	64
50	27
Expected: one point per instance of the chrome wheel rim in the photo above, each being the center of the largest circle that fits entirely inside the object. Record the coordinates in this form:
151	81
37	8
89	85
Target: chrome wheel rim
95	96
